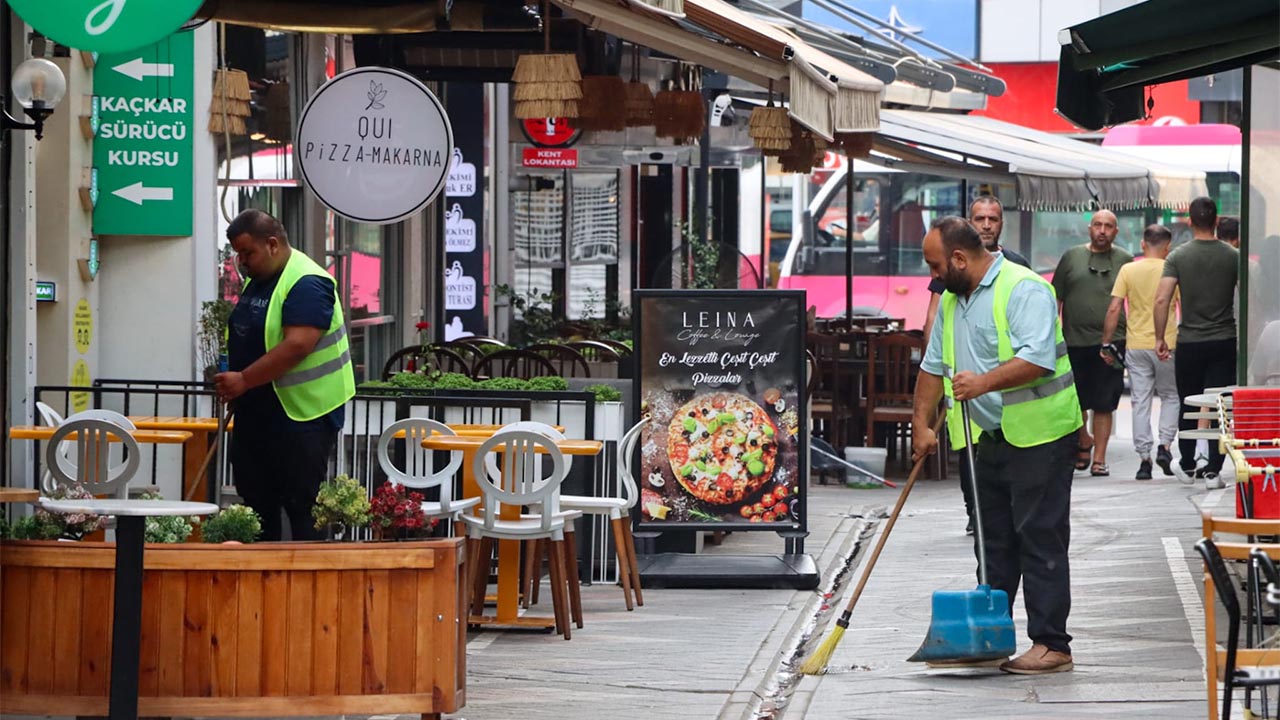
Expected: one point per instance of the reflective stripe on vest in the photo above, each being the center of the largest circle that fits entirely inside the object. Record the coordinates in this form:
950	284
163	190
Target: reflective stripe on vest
1038	412
324	380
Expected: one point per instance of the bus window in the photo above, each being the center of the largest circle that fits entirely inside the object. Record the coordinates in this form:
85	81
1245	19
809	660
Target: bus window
922	199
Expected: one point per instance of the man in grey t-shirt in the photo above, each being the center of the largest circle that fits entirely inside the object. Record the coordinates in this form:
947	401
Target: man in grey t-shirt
1205	270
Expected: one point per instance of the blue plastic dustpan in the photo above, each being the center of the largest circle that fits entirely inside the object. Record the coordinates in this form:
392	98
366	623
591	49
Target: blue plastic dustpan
968	625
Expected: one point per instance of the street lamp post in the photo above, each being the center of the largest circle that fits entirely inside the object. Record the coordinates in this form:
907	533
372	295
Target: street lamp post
38	85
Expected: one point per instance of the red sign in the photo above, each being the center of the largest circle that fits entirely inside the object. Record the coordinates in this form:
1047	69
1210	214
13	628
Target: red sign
549	158
1032	93
550	132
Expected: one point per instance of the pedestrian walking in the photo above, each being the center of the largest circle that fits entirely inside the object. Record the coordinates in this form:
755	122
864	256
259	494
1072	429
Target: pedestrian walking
1205	270
1149	376
290	375
986	214
998	344
1083	280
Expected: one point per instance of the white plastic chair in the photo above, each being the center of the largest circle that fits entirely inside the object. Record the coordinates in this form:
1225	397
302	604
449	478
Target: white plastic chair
521	468
88	462
51	418
419	471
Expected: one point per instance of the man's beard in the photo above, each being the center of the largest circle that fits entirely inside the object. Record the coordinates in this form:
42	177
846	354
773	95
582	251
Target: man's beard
955	280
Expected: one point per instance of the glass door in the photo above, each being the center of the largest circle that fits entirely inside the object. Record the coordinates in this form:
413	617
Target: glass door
363	259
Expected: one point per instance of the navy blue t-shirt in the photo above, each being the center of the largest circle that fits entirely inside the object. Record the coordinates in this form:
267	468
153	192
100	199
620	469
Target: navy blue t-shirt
310	304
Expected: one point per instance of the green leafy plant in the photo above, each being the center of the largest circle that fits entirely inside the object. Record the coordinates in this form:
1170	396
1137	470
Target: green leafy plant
6	529
237	523
550	383
212	332
341	501
535	318
503	383
166	528
36	527
605	393
452	381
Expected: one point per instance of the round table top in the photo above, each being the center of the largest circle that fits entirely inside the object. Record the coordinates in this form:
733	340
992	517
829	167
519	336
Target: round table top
1213	434
116	506
1205	400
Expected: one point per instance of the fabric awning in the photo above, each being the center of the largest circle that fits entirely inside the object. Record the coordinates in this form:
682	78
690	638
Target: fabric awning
1051	172
825	95
355	17
1105	62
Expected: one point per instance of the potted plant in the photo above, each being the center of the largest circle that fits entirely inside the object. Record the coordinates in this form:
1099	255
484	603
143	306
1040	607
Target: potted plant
397	513
212	334
609	415
166	528
237	524
341	504
44	525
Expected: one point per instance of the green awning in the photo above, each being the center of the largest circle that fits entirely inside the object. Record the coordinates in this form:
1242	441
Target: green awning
1106	62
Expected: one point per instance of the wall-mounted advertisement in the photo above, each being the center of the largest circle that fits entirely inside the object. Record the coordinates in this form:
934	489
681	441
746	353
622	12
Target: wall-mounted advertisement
464	260
721	379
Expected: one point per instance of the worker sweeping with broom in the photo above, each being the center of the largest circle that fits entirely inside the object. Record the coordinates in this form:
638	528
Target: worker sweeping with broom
997	346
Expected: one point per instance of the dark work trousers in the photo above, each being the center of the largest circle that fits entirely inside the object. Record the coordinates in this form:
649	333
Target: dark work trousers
1196	366
1025	496
277	470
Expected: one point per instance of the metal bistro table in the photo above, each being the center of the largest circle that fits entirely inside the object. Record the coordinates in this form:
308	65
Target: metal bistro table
126	623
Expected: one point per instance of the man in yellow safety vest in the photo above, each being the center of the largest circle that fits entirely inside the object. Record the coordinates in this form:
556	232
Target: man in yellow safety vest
289	376
997	344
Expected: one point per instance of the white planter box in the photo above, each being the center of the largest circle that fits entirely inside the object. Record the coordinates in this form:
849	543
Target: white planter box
369	417
609	421
572	415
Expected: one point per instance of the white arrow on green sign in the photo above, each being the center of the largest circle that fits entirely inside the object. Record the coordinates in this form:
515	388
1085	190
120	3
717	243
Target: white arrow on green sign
142	146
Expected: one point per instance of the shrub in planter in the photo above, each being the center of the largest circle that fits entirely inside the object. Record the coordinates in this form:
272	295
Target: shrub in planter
341	503
548	384
605	393
397	513
167	528
73	526
36	527
237	523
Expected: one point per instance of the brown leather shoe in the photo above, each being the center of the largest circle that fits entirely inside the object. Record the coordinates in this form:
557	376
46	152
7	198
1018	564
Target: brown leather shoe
1039	660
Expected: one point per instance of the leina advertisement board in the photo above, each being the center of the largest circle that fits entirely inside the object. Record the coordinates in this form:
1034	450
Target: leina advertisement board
721	379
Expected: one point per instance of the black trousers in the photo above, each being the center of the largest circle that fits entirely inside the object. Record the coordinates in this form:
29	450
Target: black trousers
277	470
1025	496
1196	366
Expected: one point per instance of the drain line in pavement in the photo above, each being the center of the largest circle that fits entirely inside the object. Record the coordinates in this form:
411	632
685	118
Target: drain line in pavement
774	693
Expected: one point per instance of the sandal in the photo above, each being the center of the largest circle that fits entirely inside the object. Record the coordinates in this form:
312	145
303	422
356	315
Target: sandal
1083	456
1099	470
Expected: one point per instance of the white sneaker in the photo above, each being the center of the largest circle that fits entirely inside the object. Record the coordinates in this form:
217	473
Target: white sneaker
1212	481
1183	476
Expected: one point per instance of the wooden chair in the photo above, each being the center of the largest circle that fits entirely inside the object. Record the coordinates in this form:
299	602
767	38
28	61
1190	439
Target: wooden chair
830	393
515	363
1225	663
471	354
892	363
415	358
419	470
568	361
87	460
602	359
518	469
479	340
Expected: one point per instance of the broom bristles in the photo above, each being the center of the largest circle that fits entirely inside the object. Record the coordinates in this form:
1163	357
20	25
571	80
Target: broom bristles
817	662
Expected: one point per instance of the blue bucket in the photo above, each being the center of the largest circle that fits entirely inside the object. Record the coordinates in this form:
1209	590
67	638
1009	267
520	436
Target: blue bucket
968	625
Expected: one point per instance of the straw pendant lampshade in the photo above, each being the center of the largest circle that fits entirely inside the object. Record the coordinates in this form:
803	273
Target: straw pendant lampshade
639	100
679	114
805	152
547	85
230	102
604	103
770	127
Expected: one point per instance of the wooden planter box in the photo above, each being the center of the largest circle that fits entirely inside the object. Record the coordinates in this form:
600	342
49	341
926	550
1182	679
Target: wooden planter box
239	630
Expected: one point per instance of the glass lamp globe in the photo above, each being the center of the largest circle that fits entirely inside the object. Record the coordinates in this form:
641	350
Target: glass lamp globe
39	84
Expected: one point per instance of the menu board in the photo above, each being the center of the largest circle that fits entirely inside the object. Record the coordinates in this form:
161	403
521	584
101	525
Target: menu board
722	382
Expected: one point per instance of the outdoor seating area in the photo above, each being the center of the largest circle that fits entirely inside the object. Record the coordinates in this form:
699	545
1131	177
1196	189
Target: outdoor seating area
482	358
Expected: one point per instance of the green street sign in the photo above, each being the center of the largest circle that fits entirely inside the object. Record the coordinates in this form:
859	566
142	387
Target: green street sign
46	291
142	149
106	25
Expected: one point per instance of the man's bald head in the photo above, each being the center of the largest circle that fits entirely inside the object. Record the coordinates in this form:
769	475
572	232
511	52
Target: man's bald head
1103	228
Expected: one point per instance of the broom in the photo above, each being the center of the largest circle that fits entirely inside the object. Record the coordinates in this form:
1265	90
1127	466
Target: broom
817	662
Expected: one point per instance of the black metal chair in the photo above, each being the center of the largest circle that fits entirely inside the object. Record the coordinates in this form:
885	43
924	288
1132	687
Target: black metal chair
415	358
618	346
1224	588
515	363
567	360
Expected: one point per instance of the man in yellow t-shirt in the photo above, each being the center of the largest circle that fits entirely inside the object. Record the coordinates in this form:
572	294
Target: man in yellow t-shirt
1136	283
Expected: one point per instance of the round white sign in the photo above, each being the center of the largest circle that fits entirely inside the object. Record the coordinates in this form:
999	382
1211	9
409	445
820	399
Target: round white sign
374	145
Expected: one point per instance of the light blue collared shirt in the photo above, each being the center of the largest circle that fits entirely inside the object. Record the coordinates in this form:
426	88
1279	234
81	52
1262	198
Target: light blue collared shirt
1033	318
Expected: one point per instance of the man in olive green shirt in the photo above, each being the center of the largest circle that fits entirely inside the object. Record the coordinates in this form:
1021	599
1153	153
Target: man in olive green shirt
1205	272
1083	282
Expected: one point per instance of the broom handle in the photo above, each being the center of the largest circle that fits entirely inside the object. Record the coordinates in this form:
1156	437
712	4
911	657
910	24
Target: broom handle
213	449
888	527
973	484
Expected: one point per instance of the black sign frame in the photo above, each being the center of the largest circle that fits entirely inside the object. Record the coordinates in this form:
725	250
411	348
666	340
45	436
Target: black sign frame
641	306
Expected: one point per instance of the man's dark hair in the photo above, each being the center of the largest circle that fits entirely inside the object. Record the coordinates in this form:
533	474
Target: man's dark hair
987	198
1204	214
258	224
1156	234
957	234
1228	228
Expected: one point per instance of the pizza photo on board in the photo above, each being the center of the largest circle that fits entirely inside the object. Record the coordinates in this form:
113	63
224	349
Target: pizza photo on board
720	383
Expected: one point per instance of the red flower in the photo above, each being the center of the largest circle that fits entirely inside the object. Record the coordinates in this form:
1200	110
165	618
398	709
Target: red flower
422	325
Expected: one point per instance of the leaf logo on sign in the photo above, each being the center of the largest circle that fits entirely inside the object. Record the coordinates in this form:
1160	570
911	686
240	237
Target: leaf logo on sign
459	289
376	95
462	176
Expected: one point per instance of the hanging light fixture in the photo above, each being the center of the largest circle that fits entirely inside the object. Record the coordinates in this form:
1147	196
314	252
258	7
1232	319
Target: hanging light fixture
38	85
548	84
